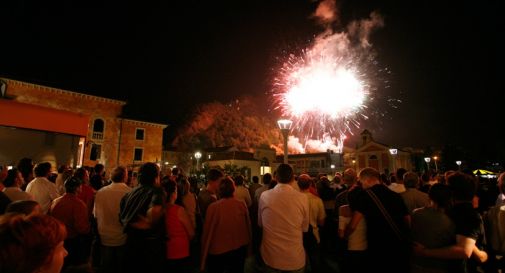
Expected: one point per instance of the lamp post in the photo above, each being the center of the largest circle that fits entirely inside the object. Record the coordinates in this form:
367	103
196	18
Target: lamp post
198	155
427	160
435	160
394	152
285	126
458	162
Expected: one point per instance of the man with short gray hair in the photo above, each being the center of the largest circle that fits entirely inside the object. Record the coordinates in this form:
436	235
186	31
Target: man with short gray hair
413	197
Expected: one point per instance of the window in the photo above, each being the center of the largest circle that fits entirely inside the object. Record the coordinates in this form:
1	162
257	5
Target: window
373	157
96	150
139	134
137	156
98	126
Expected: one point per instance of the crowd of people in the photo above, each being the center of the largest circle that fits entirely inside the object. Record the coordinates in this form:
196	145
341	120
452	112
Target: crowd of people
86	220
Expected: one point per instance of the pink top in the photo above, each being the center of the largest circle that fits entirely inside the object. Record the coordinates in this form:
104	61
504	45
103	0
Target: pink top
178	238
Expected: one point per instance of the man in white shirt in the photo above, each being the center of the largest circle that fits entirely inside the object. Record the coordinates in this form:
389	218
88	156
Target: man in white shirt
12	184
284	215
42	190
106	212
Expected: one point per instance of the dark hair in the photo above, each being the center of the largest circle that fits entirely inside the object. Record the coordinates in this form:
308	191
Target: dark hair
304	181
80	173
239	180
72	184
369	172
42	169
10	179
255	179
28	243
62	168
440	194
25	166
25	207
99	168
267	178
226	187
284	173
118	174
399	173
462	185
148	173
214	174
169	185
175	171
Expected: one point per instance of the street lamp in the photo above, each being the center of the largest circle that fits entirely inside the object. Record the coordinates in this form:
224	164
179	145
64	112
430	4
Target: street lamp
435	160
458	162
427	160
393	152
285	126
198	155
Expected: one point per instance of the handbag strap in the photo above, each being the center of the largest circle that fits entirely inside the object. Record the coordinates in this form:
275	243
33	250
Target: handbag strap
393	225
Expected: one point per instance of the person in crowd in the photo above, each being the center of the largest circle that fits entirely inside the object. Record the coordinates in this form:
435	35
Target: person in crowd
500	200
25	166
432	227
267	178
13	182
63	175
317	218
387	221
385	179
186	199
468	228
413	197
42	190
208	195
106	212
398	186
179	231
87	193
425	183
31	244
140	213
356	255
4	202
26	207
72	212
283	213
241	192
226	232
97	180
254	186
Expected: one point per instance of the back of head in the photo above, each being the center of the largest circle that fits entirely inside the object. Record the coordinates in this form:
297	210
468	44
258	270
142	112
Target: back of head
25	207
226	188
99	168
284	173
239	180
62	168
304	181
267	178
349	176
411	180
175	171
255	179
72	184
214	174
81	173
169	185
42	169
400	173
148	173
119	174
501	182
28	242
369	176
462	185
441	195
10	179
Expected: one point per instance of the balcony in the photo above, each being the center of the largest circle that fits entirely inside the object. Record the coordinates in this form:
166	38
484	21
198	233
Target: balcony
97	135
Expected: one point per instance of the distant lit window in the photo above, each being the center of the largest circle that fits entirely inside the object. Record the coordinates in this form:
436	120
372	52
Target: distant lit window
139	134
96	150
138	154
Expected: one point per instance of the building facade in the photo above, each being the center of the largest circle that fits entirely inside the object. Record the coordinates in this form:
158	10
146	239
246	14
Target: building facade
95	125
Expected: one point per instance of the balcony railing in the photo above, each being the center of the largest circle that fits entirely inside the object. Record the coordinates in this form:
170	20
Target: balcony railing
97	135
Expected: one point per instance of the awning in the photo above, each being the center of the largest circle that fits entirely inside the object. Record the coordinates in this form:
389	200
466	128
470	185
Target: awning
482	172
28	116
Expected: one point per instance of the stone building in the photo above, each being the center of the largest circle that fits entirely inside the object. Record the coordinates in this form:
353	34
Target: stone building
93	126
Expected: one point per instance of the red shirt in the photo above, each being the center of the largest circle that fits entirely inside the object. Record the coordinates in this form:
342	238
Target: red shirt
178	238
73	213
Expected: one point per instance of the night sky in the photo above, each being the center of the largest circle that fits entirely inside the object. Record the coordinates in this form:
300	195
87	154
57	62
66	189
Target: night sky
166	57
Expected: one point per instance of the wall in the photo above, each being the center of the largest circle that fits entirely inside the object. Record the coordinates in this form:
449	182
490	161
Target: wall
152	143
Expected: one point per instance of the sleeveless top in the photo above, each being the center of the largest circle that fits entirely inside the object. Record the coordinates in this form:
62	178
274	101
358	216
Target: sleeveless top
178	240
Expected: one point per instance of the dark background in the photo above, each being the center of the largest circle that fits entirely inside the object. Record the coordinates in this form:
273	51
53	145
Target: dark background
166	57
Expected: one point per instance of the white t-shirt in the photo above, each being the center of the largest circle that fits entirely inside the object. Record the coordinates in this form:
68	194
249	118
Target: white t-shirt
43	191
357	240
